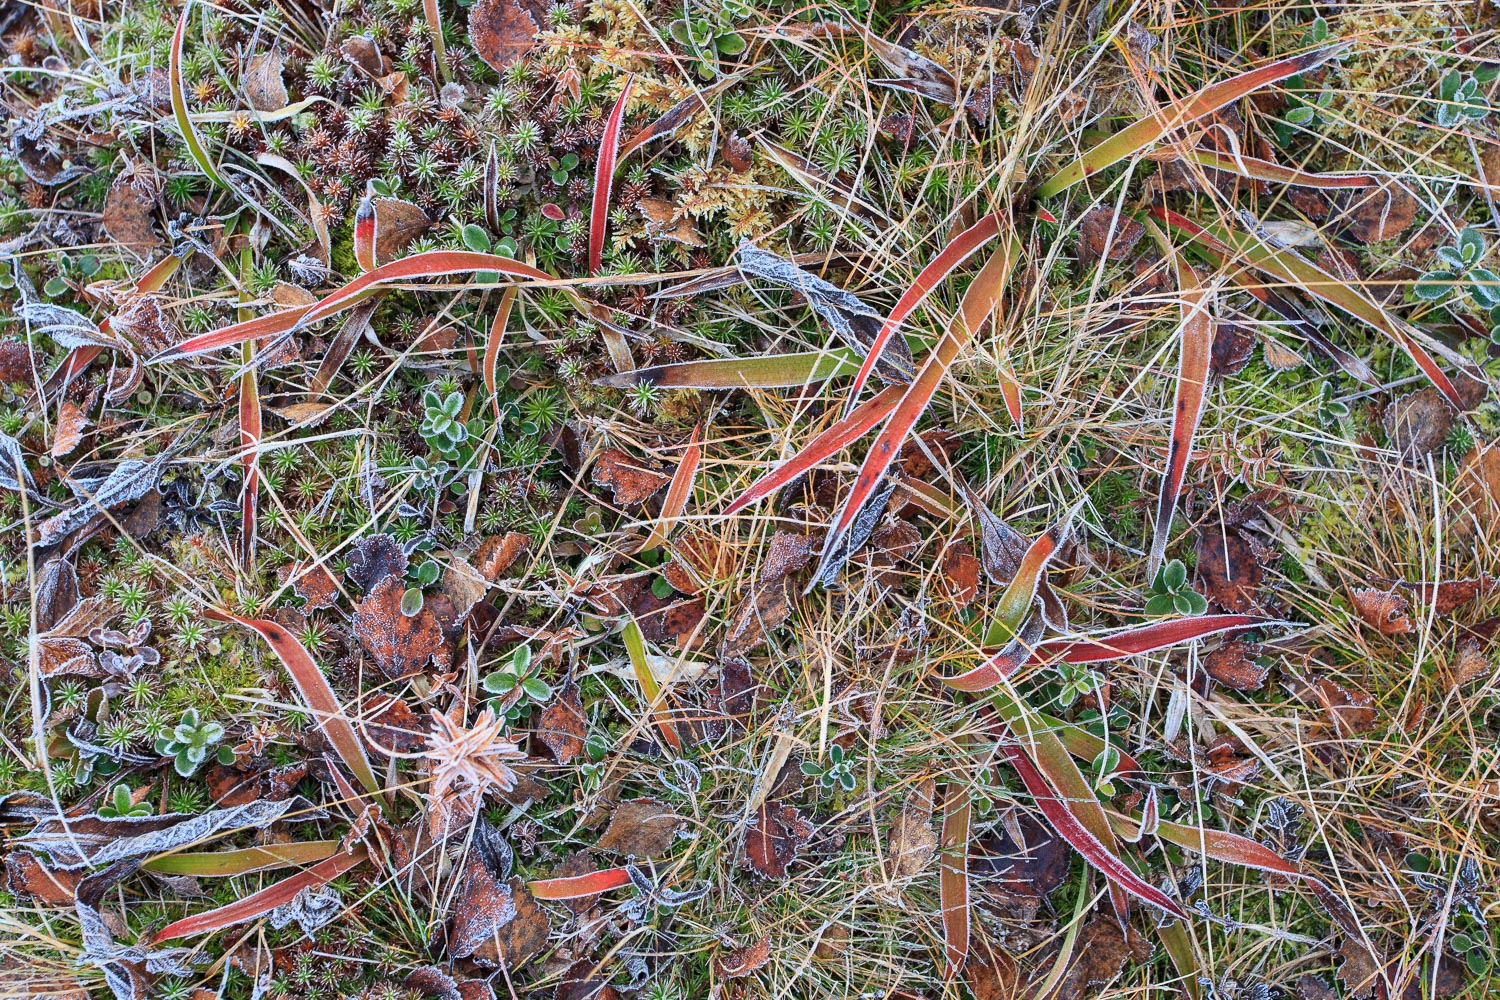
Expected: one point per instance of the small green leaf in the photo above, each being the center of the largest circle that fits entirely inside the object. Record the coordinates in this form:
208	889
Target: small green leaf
1161	604
1470	245
55	287
1174	576
661	588
226	756
1477	961
520	660
411	601
1434	285
476	239
1418	863
536	689
729	45
499	683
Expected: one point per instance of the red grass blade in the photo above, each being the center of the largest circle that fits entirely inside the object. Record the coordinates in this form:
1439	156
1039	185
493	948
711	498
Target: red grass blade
775	371
578	886
953	882
839	435
492	345
260	903
1187	404
955	253
604	179
1265	170
917	396
435	264
1083	841
1296	271
315	691
1129	642
364	234
678	492
1144	132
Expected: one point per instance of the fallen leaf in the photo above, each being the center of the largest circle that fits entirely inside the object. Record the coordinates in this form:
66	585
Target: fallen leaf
264	89
1385	611
1418	423
485	902
1095	237
1229	564
60	655
1352	712
399	644
738	690
1357	970
29	877
631	482
498	553
584	981
384	228
912	842
562	727
1099	955
1232	349
127	216
1232	665
1449	595
665	221
1227	762
787	553
1022	861
774	838
56	593
361	52
523	938
1478	487
311	582
1372	215
374	558
698	559
743	961
236	786
1470	663
1311	987
72	421
641	828
990	972
501	31
767	608
462	584
304	414
390	726
1280	357
961	574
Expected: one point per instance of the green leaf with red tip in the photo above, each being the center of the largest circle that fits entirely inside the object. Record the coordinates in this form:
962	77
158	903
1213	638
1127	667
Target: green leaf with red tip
604	178
1205	102
1275	173
258	904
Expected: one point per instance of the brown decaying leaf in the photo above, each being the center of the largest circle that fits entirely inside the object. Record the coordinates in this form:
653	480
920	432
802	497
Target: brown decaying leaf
1418	423
29	877
585	981
501	31
127	216
1100	953
767	608
631	481
72	421
523	937
498	553
562	726
990	972
1280	357
389	726
698	559
787	553
666	221
264	88
1102	233
912	842
1383	610
311	582
1229	564
484	903
1233	347
1232	665
56	593
745	960
1022	861
1448	596
641	828
1376	214
1352	712
373	559
399	645
961	574
774	838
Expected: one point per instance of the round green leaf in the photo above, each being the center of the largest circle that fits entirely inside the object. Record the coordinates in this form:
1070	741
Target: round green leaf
411	601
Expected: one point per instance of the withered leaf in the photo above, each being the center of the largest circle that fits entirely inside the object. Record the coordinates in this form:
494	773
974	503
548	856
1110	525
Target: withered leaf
1383	610
361	52
523	938
1418	423
1021	861
498	553
304	414
774	838
745	960
311	582
1100	954
787	553
1352	712
1230	566
56	593
127	216
666	221
991	972
373	559
391	727
642	828
263	86
631	482
234	786
385	227
584	981
1358	969
961	574
501	31
1228	762
1448	596
1232	349
29	877
462	584
400	645
1478	486
768	607
1100	231
698	559
485	902
1280	357
912	842
72	421
562	726
1376	214
1232	665
59	655
1311	987
738	689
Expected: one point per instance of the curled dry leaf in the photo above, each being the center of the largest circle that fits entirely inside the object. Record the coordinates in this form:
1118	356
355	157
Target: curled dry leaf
562	726
1379	213
641	828
666	221
29	877
787	553
767	608
1352	712
501	31
912	841
745	960
498	553
1233	666
1233	347
1102	233
384	228
1100	954
1383	610
631	481
399	644
774	838
484	903
264	88
373	559
1280	357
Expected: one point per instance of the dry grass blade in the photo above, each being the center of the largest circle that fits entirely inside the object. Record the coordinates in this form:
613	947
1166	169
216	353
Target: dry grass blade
1264	170
260	903
953	880
838	436
579	886
492	345
315	691
1197	333
678	493
604	179
1137	136
777	371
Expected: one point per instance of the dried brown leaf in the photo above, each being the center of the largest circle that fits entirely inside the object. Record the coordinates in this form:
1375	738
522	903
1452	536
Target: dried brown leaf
264	88
498	553
1383	610
768	607
311	582
399	645
501	31
912	842
1232	665
1099	955
562	727
1418	423
641	828
743	961
1229	564
631	482
774	838
127	216
72	421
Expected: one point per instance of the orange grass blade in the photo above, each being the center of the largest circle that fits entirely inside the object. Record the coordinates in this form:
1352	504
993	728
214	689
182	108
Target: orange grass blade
635	645
963	246
237	333
1015	603
1298	272
260	903
835	439
1187	404
913	403
315	691
578	886
604	178
678	492
1265	170
492	345
1137	136
953	882
777	371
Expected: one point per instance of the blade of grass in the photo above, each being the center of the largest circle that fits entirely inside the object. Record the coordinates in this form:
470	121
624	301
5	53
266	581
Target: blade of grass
604	179
179	103
838	436
1195	353
635	645
1015	604
678	492
492	345
904	417
435	32
1285	264
961	248
1137	136
245	860
250	423
260	903
953	882
578	886
315	691
777	371
1265	170
678	115
314	207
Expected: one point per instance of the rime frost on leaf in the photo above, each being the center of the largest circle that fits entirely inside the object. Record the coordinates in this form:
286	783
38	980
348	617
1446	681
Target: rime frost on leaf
311	908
